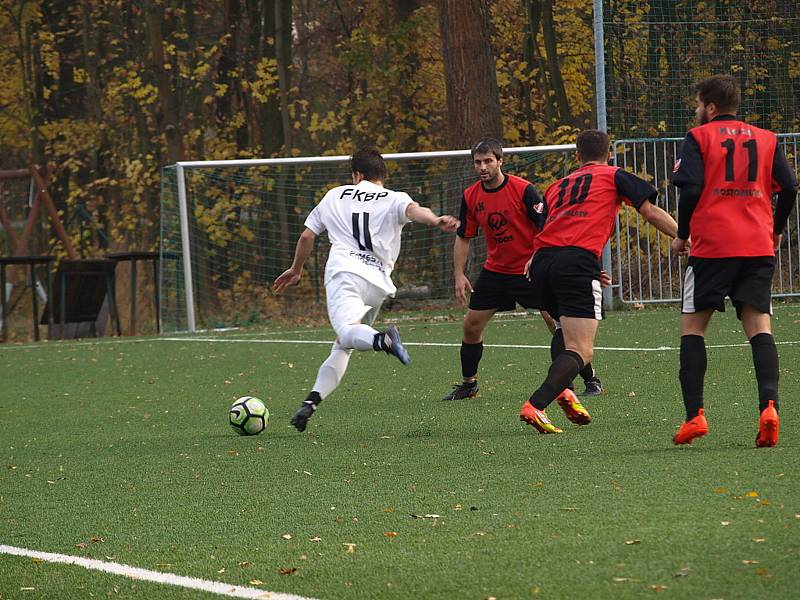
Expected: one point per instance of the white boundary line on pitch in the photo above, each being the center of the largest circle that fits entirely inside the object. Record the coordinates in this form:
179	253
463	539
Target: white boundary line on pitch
450	344
72	344
214	587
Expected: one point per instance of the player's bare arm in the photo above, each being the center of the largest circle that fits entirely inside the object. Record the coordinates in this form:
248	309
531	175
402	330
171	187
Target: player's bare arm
660	218
302	251
424	215
461	282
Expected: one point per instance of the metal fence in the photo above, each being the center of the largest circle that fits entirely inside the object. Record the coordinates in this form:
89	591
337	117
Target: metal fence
644	268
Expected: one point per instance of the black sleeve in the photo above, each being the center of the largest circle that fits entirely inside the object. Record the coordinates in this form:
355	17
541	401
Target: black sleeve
462	216
782	173
689	169
634	188
535	207
687	201
689	176
784	206
784	176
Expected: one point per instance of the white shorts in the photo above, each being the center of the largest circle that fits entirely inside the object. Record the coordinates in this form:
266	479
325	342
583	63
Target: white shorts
352	299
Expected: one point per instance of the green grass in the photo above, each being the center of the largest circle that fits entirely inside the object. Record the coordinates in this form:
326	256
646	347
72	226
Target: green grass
127	442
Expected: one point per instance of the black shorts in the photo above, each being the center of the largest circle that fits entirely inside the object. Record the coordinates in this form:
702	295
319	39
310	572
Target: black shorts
501	291
745	279
566	282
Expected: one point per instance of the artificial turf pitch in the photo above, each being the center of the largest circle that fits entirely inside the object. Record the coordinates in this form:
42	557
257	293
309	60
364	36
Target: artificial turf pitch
120	450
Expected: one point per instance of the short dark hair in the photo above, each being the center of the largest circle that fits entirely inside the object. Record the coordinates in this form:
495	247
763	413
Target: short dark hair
722	90
592	144
369	162
488	146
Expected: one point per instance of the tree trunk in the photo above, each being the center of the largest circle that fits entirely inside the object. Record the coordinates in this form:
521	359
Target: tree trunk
473	105
283	52
168	104
404	10
553	64
533	58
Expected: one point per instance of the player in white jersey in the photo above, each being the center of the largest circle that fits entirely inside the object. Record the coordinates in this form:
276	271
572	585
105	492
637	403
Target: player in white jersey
364	222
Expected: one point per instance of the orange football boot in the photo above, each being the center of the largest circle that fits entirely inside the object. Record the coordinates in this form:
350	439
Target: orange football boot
533	416
768	425
573	408
691	429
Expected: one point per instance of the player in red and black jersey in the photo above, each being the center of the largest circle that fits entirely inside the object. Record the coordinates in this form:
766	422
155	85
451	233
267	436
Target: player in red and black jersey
565	269
510	212
727	172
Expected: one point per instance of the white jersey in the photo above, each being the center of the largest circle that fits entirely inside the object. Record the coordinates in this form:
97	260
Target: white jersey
364	223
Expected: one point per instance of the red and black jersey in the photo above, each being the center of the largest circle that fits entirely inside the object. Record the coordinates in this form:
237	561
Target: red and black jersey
728	171
510	216
582	206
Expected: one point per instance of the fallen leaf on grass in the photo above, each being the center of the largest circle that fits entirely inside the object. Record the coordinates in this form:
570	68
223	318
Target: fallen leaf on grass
656	587
256	582
684	572
27	589
37	560
430	516
759	540
222	570
286	570
724	523
632	542
81	545
720	490
621	579
750	562
751	494
316	538
245	563
763	572
351	548
95	539
286	536
390	534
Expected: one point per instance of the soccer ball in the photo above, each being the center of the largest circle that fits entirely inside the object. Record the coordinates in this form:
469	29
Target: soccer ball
248	416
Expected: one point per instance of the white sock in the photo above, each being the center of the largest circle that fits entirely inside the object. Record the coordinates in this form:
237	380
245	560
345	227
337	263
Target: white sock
358	336
332	370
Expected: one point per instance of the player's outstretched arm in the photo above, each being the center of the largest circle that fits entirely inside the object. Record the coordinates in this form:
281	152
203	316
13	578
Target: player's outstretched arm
424	215
660	218
302	251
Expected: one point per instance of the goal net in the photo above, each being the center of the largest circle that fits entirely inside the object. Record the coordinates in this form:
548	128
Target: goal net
242	219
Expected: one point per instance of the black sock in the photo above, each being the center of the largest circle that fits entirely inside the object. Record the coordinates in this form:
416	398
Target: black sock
692	372
587	372
556	344
379	342
563	370
765	360
556	348
470	357
314	398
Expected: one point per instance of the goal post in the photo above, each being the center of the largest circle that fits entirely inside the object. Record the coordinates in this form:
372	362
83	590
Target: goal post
229	227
